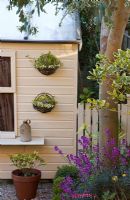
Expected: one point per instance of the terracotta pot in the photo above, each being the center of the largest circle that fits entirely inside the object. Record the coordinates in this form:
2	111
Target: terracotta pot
26	186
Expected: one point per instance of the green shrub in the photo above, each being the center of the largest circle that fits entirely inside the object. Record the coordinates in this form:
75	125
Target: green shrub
101	182
124	183
108	195
56	197
108	185
62	172
67	170
56	188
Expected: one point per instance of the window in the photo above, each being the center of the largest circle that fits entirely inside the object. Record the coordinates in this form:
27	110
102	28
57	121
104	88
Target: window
7	95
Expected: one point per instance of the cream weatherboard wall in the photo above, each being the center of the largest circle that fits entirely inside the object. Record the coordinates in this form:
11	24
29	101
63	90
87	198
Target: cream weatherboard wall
57	127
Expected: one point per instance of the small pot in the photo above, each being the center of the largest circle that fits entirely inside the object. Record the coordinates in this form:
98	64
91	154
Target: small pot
26	186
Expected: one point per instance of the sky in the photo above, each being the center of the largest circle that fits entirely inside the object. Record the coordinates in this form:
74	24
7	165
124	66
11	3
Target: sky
47	23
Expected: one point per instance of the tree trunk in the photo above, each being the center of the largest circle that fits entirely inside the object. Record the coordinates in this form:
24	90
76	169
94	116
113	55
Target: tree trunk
109	119
104	37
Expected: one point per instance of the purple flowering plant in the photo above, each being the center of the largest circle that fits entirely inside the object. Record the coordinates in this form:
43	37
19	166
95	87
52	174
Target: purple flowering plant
85	161
116	156
90	162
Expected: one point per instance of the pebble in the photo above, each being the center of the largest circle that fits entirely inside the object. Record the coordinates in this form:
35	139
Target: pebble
7	191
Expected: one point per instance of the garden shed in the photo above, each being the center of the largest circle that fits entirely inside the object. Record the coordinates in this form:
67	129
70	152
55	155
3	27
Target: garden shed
20	83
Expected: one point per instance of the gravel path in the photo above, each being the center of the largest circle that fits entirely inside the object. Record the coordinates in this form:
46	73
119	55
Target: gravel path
7	191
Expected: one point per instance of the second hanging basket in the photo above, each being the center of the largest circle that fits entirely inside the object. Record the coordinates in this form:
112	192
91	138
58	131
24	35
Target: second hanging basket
44	102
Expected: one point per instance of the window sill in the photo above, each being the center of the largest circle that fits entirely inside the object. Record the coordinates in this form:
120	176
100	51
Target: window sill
16	141
7	135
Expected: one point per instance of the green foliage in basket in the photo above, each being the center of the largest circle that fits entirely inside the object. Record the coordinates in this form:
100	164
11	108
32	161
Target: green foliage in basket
44	101
47	61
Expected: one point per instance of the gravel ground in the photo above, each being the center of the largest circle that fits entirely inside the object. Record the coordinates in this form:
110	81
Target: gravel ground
7	191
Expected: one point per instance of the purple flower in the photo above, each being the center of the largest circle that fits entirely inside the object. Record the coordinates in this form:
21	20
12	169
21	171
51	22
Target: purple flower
66	185
58	150
128	152
96	148
88	161
85	141
115	152
123	142
81	196
124	161
108	132
111	142
70	157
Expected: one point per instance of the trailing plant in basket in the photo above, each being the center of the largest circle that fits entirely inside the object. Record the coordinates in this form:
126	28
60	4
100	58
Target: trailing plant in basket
47	63
26	161
44	102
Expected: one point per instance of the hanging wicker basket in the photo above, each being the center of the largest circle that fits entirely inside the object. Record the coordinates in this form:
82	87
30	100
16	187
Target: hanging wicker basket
44	102
47	71
47	63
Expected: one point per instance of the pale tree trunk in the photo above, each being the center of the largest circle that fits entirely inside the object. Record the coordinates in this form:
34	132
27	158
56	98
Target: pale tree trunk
109	44
104	37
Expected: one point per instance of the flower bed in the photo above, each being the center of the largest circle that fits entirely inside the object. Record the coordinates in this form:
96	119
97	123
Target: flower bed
104	175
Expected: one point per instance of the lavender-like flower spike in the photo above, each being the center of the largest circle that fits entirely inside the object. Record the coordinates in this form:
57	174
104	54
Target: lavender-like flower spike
108	132
123	142
89	162
128	152
58	150
85	141
66	185
96	148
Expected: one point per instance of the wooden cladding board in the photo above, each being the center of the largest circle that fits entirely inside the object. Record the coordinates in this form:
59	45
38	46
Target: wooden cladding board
57	127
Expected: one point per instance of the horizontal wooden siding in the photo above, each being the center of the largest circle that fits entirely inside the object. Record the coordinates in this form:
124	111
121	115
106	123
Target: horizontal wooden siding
57	127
